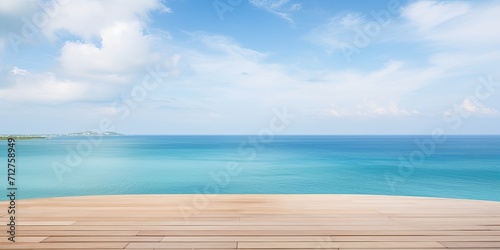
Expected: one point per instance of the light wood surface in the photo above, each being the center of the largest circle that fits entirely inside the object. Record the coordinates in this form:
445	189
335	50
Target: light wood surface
350	222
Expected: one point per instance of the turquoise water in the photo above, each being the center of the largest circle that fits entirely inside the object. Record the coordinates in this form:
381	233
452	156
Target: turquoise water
460	167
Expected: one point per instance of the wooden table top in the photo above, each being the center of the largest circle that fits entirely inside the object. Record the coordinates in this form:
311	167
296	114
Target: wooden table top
253	222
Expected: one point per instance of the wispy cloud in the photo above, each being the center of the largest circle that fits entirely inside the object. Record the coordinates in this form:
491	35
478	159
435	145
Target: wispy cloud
426	15
355	93
473	107
458	24
23	86
370	109
337	32
280	8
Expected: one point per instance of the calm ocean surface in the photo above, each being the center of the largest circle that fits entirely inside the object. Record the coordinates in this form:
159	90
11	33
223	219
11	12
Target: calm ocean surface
460	167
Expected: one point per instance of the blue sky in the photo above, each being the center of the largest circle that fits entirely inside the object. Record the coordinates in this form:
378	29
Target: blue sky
233	67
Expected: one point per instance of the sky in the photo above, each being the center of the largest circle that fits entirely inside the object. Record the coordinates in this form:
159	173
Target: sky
250	67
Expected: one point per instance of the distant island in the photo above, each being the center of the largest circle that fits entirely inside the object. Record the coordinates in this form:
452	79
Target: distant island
94	133
48	136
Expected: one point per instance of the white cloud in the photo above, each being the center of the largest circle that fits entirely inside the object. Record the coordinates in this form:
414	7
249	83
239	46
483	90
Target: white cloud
429	14
351	32
23	22
296	6
87	18
238	75
26	87
280	8
391	109
455	24
474	107
227	46
447	25
337	31
123	49
18	71
360	109
21	85
112	45
369	109
108	49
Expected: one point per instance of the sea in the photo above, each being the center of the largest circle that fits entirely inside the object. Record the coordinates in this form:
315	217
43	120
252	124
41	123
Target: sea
466	167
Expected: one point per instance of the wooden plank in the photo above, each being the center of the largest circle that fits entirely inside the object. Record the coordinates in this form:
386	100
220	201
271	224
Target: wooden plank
23	239
329	244
27	233
103	239
239	238
417	238
46	223
19	245
476	244
253	227
256	222
167	245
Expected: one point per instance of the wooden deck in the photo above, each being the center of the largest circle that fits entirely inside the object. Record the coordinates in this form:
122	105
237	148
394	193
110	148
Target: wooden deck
254	222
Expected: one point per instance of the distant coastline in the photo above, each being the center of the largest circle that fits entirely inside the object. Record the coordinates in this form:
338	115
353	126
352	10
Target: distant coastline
22	137
48	136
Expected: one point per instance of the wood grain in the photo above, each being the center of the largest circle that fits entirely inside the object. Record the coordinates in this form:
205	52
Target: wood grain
342	222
